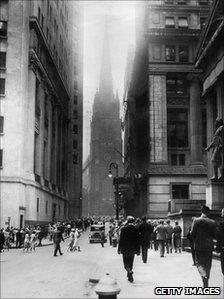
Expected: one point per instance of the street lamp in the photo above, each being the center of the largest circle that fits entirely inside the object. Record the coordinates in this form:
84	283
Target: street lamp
115	166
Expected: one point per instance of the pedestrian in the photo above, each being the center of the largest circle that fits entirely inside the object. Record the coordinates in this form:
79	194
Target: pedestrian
76	245
177	237
2	240
129	245
145	230
57	238
102	238
220	241
33	239
71	240
26	242
18	239
203	231
161	237
111	232
169	232
191	241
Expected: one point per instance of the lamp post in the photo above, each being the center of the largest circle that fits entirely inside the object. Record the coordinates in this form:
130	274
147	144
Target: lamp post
115	166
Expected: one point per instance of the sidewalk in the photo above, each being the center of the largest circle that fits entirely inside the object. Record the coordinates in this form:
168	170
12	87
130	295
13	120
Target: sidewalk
174	270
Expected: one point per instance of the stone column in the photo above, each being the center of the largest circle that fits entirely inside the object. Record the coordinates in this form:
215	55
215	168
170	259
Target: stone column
220	99
49	138
195	121
210	130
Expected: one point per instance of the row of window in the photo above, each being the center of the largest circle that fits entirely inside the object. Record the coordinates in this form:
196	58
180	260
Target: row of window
54	207
3	28
173	53
181	22
184	2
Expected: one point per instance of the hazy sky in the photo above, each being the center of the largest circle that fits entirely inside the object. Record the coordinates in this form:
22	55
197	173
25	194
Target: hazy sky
121	34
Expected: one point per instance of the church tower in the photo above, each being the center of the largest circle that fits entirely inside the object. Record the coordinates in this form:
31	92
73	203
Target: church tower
105	144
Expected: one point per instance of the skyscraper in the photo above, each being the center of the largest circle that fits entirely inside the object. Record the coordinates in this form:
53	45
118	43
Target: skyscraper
39	87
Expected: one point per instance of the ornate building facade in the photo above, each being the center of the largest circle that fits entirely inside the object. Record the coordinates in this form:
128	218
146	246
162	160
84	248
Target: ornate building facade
41	100
105	144
164	99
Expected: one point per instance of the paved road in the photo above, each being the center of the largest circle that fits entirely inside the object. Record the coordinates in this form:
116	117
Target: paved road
40	275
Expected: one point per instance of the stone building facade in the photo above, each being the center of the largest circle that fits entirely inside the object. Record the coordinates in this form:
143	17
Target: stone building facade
165	99
105	143
210	58
39	89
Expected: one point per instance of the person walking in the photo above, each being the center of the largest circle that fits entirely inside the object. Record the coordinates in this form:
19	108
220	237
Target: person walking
161	237
191	241
169	232
57	238
2	240
33	240
145	230
71	240
220	241
203	231
129	245
177	230
26	242
102	238
76	245
18	238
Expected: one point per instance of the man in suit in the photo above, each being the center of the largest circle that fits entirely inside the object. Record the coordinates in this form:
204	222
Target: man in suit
129	246
161	237
177	230
57	238
220	241
145	230
203	231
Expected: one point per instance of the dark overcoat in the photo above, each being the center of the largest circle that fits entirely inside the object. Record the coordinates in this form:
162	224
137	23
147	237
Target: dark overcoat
129	240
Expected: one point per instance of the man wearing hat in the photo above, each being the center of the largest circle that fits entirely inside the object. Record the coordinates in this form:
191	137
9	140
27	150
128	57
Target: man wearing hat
129	246
145	230
203	231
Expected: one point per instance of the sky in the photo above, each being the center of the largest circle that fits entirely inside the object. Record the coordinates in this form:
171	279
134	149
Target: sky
121	30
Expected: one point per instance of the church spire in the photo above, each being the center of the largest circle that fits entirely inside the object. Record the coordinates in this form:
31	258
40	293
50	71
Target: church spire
106	82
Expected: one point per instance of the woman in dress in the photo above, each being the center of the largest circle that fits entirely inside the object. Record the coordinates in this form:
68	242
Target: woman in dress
76	240
71	240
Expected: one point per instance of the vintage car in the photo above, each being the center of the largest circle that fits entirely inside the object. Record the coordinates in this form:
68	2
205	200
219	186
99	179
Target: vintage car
95	233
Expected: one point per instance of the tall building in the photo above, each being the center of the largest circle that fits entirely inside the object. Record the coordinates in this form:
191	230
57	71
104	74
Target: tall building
39	87
168	112
105	144
210	58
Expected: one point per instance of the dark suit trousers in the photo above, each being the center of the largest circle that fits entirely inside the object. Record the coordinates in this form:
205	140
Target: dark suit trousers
57	248
144	250
222	260
128	260
161	247
203	260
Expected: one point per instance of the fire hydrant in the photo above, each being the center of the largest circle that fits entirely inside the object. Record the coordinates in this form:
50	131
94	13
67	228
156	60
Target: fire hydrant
107	288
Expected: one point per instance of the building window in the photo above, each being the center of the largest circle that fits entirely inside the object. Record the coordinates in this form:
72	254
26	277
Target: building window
45	159
2	59
202	22
155	18
203	2
156	52
177	159
75	129
176	86
75	144
46	207
39	14
1	124
2	86
177	128
75	158
1	157
182	2
42	21
170	53
3	28
169	22
180	191
35	158
38	204
168	1
75	101
75	114
183	53
59	210
183	22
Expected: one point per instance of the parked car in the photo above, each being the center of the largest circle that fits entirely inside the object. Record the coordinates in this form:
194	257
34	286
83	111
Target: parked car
95	233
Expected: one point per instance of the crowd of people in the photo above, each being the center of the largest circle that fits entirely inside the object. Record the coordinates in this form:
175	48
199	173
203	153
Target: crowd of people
136	236
31	236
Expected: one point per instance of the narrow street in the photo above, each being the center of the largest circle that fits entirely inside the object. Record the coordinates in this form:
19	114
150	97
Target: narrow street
40	275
